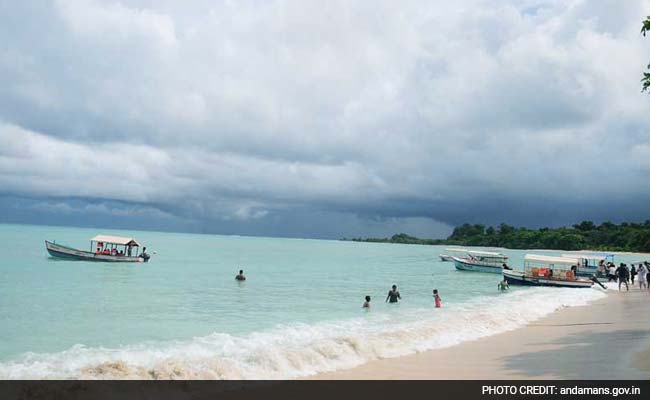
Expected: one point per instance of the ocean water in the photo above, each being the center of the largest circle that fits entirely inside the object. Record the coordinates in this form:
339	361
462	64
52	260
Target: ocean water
182	315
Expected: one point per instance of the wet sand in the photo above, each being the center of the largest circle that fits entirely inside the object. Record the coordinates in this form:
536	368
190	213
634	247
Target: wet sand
608	339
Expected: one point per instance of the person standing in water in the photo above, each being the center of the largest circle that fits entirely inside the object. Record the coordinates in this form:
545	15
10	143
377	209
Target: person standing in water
393	295
633	273
240	276
503	285
366	304
611	272
436	297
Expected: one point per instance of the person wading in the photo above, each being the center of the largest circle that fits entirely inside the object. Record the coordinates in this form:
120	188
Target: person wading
240	276
393	295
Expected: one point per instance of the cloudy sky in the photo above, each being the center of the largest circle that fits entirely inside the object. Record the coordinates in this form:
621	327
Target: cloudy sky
323	119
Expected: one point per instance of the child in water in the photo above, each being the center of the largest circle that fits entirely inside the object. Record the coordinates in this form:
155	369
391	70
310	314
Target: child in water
366	304
436	297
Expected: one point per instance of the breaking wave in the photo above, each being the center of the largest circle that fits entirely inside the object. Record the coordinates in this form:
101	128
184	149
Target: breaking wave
297	350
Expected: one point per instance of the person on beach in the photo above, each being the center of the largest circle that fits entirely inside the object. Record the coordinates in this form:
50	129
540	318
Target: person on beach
642	271
622	273
633	273
366	304
240	276
612	273
436	297
393	295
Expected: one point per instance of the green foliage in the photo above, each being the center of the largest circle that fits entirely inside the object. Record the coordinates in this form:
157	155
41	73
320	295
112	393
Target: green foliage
585	235
645	25
645	81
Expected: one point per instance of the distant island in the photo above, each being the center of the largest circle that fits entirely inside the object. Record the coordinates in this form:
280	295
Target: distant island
627	236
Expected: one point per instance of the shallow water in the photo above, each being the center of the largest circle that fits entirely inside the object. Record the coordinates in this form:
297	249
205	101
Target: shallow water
183	315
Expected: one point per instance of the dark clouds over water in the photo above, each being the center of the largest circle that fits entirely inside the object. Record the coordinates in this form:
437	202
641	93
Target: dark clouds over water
322	120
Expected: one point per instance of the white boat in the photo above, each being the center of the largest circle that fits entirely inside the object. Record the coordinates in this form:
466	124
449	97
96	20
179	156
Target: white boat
102	248
547	271
481	261
451	252
591	264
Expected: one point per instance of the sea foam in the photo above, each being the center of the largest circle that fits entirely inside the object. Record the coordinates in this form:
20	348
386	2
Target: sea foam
297	350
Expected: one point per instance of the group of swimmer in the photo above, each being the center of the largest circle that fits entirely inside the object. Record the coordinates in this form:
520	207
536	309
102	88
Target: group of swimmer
394	297
393	294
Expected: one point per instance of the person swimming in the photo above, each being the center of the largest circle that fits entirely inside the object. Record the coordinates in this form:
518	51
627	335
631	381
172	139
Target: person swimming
436	297
393	295
503	285
241	276
366	304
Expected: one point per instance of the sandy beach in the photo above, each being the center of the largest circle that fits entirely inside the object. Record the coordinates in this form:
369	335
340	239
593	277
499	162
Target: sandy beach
607	339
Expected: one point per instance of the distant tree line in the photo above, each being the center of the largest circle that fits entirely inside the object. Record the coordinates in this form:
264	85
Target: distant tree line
627	236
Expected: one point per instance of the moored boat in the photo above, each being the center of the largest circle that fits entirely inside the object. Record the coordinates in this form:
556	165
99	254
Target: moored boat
481	261
451	252
547	271
592	264
106	248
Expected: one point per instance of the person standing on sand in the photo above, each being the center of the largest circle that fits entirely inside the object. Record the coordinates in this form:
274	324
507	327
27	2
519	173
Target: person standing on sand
633	273
393	295
642	271
622	273
647	275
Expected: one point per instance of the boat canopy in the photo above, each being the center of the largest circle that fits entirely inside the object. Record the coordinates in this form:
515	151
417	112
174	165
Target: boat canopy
456	249
535	258
590	256
597	257
122	241
486	254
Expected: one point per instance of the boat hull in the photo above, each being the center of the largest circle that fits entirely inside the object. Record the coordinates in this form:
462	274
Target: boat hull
69	253
444	257
468	265
518	278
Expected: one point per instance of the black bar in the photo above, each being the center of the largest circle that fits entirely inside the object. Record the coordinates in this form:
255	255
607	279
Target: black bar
330	390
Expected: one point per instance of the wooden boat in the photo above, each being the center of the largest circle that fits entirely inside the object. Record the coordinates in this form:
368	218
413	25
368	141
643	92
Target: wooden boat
451	252
106	248
547	271
481	261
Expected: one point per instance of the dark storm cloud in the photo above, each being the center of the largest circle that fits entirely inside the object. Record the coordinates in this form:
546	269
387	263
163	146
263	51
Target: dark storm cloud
284	117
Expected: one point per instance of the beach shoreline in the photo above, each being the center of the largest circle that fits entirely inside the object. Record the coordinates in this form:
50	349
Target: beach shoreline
606	339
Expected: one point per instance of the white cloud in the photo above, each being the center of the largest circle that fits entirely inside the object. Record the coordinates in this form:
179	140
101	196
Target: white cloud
103	21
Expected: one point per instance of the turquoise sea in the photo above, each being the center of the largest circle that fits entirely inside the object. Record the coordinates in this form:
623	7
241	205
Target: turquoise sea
182	315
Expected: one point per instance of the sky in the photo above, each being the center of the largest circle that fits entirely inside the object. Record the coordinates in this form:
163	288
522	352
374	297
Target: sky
323	119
